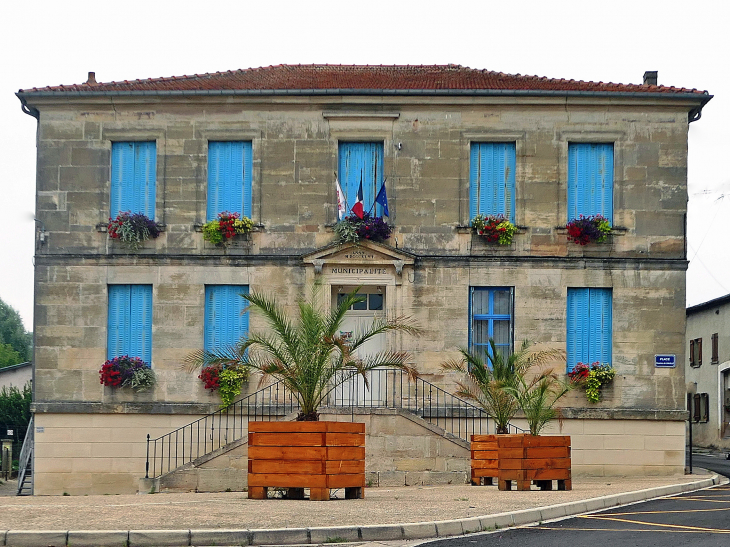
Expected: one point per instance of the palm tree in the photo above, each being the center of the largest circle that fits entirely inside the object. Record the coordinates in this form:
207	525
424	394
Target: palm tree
486	382
537	398
308	354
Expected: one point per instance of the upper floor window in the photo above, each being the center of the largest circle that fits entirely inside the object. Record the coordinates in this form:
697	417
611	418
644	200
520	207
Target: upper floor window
715	352
695	352
491	318
590	180
361	162
589	326
226	320
134	173
492	179
230	166
129	329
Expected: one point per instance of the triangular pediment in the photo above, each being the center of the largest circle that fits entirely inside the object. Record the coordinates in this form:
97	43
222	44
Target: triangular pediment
365	252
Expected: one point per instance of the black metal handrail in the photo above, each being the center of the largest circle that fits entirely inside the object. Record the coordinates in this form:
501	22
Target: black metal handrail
217	429
384	388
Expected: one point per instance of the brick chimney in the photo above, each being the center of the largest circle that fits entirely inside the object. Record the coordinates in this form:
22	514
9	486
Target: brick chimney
650	77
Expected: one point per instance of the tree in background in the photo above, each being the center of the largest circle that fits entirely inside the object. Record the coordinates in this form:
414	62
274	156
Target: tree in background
15	342
15	413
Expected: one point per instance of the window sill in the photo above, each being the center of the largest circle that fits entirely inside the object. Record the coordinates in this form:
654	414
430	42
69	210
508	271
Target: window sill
102	227
256	228
461	229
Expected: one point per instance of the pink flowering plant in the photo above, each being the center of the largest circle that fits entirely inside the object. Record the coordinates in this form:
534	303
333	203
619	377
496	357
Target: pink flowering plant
591	229
126	371
592	378
494	228
353	229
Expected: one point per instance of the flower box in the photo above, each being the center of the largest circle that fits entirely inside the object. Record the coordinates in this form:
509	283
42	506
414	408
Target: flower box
530	458
315	455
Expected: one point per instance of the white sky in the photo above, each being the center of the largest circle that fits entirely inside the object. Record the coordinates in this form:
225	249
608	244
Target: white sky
50	42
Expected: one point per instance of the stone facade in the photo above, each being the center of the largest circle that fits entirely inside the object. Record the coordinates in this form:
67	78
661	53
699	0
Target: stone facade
708	375
426	269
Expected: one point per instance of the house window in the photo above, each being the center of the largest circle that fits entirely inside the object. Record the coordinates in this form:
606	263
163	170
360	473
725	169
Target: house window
226	320
715	352
130	322
230	166
701	410
492	179
590	180
491	317
695	352
361	162
134	172
589	326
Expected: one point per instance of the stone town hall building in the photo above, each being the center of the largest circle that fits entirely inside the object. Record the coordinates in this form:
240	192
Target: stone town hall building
448	142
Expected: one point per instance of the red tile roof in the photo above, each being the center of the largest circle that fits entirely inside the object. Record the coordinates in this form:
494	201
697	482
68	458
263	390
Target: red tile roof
357	77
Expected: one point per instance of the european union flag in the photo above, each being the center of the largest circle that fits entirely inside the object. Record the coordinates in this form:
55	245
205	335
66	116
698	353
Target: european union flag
382	199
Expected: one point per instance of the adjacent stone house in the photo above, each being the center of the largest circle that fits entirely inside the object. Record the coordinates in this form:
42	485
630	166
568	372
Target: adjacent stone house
447	143
708	371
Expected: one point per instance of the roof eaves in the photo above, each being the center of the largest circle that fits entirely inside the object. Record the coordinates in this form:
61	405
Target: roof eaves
720	301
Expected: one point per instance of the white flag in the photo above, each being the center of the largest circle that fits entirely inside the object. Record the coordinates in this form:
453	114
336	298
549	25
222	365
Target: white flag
341	202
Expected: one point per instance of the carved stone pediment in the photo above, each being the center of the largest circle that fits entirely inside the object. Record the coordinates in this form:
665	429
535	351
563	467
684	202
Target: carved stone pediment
364	258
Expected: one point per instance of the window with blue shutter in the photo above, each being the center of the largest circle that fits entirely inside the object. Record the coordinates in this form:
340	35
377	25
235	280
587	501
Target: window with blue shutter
133	177
492	179
491	317
589	326
230	166
361	161
129	329
225	319
590	180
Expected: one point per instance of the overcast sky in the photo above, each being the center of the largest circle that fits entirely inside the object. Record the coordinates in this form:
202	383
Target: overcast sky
57	42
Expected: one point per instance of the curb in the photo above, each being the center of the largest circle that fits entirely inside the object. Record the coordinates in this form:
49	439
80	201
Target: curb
319	535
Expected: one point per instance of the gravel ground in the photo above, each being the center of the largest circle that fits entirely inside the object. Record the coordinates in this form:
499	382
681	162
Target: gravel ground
233	510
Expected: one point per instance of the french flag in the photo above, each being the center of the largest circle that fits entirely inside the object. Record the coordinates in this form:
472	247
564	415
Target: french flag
357	209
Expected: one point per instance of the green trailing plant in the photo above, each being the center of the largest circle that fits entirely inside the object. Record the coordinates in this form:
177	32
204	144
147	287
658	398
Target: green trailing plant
231	379
494	228
307	353
591	229
352	229
592	378
486	381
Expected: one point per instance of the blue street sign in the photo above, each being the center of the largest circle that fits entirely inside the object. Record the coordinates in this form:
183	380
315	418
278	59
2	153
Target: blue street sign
665	360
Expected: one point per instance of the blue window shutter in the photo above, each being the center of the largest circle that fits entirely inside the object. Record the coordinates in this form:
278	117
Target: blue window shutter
590	180
133	178
129	329
578	332
361	161
601	325
225	320
492	179
230	165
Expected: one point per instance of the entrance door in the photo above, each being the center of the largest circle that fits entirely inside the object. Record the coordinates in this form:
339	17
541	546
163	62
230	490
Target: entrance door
359	318
725	425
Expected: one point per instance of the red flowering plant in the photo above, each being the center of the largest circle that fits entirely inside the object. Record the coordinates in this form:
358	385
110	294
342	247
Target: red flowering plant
126	371
353	228
591	229
210	377
494	228
225	379
132	229
226	226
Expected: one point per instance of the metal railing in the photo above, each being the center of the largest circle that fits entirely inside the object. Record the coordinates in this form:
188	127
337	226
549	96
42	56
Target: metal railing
24	460
385	388
209	433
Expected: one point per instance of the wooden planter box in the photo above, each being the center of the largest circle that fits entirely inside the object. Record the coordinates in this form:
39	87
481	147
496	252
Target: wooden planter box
484	458
528	458
299	455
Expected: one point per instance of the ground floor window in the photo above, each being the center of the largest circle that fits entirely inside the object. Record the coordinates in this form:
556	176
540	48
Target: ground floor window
226	320
129	329
589	326
491	313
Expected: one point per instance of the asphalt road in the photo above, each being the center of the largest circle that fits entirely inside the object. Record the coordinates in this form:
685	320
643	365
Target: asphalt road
698	519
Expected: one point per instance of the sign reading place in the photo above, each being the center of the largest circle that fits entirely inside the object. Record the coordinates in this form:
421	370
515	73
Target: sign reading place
665	361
